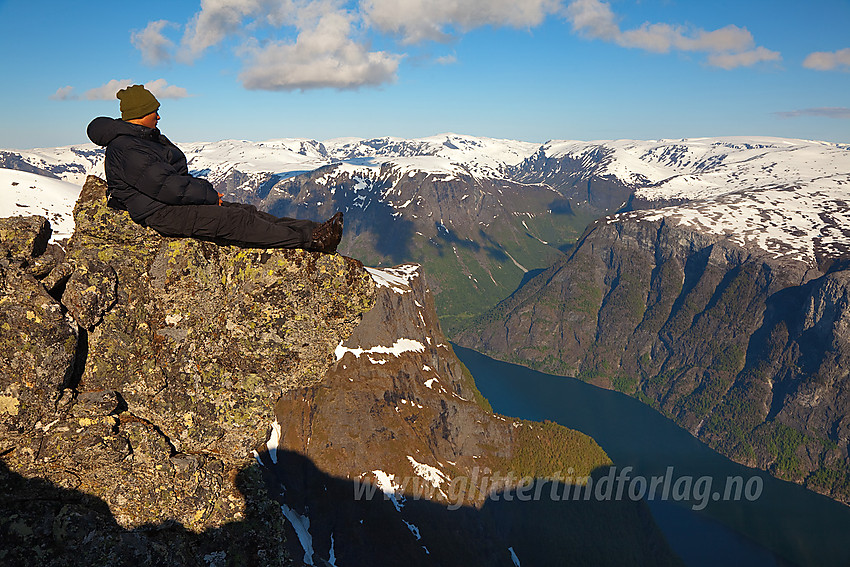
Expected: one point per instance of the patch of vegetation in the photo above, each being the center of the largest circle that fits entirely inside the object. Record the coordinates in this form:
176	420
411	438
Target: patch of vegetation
833	480
586	295
596	365
706	395
626	384
782	443
727	356
543	449
665	287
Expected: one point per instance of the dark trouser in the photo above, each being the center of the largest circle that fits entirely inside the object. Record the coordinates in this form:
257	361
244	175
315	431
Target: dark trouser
233	222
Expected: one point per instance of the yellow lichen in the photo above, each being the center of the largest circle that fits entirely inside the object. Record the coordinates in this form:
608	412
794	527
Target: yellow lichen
9	404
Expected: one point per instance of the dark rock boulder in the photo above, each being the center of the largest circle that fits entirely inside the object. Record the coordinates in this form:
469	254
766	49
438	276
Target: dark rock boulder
23	238
38	344
90	292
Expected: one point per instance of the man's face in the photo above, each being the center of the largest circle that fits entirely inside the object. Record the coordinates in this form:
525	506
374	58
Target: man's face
150	120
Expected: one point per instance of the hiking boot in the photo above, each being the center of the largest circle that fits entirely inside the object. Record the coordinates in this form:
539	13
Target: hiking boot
327	235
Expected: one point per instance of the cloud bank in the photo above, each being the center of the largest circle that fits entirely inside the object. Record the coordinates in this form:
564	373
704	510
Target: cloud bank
308	44
323	55
414	21
728	47
153	45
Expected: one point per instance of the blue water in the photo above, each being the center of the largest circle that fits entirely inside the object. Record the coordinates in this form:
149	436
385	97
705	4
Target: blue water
781	520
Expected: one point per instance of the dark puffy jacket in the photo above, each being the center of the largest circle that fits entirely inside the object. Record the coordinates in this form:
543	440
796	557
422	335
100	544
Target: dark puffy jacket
145	171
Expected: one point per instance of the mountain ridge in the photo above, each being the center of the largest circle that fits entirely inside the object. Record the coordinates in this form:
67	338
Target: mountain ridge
480	213
744	348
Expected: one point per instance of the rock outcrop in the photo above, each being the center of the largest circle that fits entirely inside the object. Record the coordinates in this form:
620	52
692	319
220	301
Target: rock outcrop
745	350
139	373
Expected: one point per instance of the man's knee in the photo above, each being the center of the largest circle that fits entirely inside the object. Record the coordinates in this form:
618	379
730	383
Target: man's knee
171	221
202	221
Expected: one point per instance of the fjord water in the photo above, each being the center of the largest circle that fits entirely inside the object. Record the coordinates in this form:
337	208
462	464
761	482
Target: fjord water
784	524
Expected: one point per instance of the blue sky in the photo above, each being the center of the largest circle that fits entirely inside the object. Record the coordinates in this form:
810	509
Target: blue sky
532	70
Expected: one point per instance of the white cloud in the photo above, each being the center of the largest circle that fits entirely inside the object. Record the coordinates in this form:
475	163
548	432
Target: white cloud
663	38
219	19
303	44
323	56
823	112
727	47
418	20
593	19
829	60
154	46
213	23
160	89
109	90
315	45
743	59
64	93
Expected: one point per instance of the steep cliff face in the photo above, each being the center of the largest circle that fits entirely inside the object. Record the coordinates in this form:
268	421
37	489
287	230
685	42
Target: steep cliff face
395	459
139	373
743	345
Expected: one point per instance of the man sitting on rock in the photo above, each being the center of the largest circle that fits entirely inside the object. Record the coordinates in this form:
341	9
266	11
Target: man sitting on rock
148	176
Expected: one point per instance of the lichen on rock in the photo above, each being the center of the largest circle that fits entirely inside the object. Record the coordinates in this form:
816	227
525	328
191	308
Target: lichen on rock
148	374
37	344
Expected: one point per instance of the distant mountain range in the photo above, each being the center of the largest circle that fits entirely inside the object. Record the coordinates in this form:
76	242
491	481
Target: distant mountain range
481	213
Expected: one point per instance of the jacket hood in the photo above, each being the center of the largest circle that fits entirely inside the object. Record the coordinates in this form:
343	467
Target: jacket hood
103	130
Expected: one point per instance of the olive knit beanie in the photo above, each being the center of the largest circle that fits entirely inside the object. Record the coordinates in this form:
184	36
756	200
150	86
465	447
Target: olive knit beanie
136	102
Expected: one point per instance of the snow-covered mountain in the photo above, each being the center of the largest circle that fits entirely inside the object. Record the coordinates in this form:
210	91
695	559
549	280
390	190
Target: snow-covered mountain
665	170
703	167
24	194
502	207
788	197
445	155
68	163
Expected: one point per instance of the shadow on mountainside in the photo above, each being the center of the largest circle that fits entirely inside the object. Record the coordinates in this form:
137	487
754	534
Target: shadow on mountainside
392	235
370	223
44	524
357	523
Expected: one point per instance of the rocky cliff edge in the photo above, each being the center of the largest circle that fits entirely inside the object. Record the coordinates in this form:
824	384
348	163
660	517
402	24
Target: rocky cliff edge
141	371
